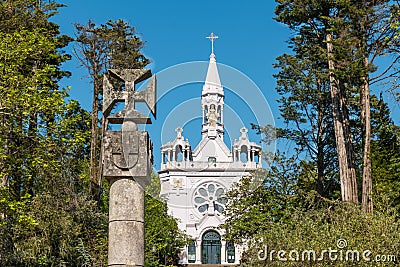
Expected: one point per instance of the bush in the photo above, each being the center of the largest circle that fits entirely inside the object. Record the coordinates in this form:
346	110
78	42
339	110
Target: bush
339	228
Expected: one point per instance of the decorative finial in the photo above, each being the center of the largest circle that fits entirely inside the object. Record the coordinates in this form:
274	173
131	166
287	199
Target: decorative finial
244	131
212	37
179	131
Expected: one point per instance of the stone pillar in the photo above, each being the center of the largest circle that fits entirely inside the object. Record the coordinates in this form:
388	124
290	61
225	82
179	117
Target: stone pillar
238	251
127	173
252	155
126	223
198	251
127	161
223	252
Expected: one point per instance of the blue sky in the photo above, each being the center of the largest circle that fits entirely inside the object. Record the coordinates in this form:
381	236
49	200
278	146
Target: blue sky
174	32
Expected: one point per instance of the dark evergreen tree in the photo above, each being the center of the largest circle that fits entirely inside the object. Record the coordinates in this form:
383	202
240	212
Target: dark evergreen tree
99	48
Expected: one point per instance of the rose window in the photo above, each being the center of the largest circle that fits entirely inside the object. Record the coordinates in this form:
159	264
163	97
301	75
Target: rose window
209	196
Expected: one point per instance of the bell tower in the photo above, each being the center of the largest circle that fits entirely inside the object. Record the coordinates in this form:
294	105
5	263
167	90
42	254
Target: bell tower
212	99
194	182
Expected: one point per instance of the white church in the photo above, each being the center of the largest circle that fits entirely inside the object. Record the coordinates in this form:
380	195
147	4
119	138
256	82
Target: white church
194	181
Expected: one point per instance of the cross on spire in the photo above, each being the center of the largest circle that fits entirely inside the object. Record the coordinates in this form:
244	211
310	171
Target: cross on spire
212	38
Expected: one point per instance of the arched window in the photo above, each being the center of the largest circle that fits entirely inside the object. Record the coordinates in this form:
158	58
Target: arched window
219	114
178	153
165	157
192	252
244	154
230	252
205	114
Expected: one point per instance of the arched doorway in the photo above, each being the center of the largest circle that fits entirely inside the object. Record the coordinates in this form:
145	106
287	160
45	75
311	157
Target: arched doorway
211	248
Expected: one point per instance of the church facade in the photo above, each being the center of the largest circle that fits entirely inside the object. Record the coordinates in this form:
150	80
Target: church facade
194	181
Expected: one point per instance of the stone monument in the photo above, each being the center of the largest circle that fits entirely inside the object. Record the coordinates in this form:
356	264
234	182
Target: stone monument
127	163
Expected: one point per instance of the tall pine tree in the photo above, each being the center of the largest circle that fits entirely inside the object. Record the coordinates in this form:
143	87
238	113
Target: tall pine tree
99	48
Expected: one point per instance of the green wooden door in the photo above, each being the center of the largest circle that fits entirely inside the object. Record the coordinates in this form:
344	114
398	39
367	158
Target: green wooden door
211	248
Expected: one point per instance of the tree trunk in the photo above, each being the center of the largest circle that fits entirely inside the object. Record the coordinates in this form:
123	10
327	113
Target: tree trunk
94	161
100	172
351	171
367	204
346	181
32	132
94	135
5	180
320	144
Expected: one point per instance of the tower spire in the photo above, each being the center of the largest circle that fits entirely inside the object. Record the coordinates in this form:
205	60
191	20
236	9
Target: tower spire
212	38
212	98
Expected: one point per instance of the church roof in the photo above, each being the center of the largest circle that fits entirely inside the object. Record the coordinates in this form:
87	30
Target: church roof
212	147
212	84
212	77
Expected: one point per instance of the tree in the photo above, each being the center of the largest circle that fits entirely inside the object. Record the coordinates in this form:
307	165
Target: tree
304	106
250	207
327	73
351	35
43	203
45	212
377	37
385	156
99	48
313	17
163	237
17	17
305	237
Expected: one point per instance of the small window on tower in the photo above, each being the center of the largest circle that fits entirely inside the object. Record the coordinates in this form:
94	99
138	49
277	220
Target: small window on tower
212	159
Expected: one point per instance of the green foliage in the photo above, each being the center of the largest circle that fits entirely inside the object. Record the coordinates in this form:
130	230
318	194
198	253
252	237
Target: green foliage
295	207
163	238
51	226
360	30
84	256
319	228
46	217
305	107
266	197
46	231
277	211
113	45
386	157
